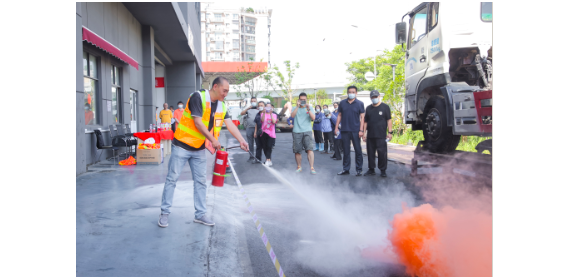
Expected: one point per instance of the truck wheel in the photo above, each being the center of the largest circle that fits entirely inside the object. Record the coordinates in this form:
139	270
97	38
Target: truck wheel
438	136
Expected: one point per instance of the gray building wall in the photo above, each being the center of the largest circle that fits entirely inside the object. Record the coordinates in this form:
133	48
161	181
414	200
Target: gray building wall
116	24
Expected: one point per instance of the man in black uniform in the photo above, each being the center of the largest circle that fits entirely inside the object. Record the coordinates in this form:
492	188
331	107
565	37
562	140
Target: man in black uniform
376	118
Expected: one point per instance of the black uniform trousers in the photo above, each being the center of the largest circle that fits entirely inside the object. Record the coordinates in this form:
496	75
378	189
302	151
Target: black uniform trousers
267	143
379	145
347	137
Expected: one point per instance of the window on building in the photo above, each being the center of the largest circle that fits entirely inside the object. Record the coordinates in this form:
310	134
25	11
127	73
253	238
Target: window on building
207	45
235	26
219	55
227	25
249	21
90	82
218	17
219	45
250	57
250	29
236	54
116	94
236	16
236	32
236	44
250	48
207	55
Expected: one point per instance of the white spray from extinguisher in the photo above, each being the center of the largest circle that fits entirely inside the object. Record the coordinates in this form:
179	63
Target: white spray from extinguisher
330	212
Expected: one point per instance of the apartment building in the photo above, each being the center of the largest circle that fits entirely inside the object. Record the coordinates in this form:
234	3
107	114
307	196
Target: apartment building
235	34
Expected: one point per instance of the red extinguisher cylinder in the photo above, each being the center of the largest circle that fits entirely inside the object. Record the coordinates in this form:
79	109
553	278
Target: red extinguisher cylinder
220	163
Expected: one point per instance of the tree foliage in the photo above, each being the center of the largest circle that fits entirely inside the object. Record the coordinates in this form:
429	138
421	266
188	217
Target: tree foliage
393	88
322	98
284	82
252	80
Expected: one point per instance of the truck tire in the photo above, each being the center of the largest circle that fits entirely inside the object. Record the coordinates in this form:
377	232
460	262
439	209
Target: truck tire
438	135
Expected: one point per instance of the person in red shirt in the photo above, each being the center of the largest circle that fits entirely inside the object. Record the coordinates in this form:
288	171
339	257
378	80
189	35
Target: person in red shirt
178	115
88	114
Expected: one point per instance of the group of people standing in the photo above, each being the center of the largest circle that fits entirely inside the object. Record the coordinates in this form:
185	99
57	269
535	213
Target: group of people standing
169	115
328	131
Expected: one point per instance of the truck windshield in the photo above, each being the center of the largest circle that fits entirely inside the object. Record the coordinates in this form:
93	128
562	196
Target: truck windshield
487	11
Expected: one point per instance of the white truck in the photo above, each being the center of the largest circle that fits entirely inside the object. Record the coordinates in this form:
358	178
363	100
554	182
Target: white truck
448	74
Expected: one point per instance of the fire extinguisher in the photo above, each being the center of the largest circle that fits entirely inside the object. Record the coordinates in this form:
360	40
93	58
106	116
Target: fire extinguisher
220	164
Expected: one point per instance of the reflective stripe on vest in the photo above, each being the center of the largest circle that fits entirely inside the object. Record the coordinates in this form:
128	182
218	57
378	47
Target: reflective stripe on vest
187	133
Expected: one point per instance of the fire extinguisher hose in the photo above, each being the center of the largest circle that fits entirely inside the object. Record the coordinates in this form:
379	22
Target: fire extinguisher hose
250	153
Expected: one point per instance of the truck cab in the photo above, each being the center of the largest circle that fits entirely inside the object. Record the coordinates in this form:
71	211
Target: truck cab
448	71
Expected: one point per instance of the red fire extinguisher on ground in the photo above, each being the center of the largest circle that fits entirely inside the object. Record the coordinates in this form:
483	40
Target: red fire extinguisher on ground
220	164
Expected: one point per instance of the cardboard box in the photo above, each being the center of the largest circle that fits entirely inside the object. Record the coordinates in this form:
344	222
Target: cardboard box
151	156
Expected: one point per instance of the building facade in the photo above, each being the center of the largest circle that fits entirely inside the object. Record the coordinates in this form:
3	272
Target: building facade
239	34
130	61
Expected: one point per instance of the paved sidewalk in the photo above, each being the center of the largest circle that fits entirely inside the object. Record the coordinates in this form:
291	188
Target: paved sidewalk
117	210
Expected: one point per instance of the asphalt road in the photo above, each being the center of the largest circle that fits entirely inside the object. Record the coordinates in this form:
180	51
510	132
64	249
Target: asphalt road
316	223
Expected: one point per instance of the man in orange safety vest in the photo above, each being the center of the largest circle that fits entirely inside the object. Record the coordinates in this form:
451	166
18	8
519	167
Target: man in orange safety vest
199	128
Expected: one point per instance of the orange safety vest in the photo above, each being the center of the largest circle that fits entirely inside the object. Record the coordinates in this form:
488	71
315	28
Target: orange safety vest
187	133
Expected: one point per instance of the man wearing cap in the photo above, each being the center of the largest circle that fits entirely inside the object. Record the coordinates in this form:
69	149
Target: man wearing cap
351	120
376	119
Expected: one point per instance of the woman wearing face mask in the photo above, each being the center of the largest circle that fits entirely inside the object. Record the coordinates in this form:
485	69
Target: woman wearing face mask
327	130
317	129
268	121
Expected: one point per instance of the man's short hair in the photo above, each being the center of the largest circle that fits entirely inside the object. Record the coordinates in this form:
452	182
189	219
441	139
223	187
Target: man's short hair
302	94
326	105
251	100
335	103
219	81
180	102
349	87
261	102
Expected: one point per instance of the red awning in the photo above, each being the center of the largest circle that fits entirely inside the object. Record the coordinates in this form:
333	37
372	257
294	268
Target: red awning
103	44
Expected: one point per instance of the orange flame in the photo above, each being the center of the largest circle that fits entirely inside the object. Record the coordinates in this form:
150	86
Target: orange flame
449	242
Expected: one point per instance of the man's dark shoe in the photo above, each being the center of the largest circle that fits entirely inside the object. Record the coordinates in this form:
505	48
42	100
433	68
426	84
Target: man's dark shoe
383	173
337	158
250	160
370	172
344	172
332	156
358	173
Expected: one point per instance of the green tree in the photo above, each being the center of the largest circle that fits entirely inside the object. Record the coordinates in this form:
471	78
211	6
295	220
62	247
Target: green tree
322	98
392	87
251	80
284	82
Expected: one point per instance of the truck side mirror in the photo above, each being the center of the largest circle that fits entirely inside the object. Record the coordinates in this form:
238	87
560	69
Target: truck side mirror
401	32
